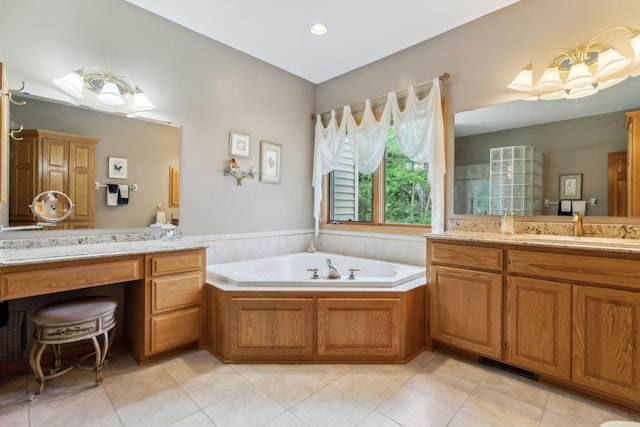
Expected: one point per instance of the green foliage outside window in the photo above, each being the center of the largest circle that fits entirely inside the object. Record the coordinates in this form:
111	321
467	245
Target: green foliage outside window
406	189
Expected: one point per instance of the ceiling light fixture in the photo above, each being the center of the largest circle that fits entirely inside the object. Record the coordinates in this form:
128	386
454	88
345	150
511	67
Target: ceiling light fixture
104	91
318	29
583	71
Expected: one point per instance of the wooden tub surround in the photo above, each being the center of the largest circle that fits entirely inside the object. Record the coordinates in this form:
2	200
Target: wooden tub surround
565	310
258	325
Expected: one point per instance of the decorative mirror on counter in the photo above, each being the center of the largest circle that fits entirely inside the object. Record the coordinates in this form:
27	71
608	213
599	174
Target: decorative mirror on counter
52	206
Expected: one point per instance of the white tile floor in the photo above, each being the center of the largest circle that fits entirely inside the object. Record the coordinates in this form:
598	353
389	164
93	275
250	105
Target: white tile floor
194	389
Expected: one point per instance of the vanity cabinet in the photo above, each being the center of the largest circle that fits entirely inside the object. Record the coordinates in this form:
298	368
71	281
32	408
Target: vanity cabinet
466	303
570	315
172	297
45	160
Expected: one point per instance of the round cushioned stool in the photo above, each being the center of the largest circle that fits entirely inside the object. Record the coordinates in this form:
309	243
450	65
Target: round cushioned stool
70	321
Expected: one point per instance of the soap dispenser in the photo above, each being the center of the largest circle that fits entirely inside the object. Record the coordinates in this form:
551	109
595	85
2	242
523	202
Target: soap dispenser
506	226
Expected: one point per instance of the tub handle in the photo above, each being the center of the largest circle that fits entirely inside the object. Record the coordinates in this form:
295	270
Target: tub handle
352	271
315	273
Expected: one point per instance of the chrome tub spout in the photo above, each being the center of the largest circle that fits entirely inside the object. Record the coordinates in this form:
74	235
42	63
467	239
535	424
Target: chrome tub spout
333	271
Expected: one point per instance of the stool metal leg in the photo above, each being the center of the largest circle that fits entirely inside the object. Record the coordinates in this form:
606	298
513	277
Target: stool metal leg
35	357
98	364
57	356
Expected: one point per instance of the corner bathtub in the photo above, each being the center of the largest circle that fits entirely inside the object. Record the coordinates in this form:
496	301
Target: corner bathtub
270	310
292	271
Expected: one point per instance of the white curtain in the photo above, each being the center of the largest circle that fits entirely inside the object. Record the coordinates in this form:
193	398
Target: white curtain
369	138
420	134
328	146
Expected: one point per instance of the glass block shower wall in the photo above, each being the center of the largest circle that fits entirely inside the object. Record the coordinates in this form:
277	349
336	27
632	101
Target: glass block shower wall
515	180
471	189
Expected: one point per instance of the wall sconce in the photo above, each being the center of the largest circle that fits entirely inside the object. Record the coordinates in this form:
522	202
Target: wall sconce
583	71
104	91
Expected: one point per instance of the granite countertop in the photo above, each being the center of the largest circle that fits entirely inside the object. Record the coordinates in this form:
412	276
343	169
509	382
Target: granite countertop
573	242
33	255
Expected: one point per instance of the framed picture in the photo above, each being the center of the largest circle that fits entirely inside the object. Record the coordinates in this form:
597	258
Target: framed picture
270	159
117	167
238	144
570	187
174	186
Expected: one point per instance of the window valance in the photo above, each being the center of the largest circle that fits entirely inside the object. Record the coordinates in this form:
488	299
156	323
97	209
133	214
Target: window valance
419	131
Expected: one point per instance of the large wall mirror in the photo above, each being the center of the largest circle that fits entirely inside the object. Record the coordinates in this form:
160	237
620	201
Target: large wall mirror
576	139
149	149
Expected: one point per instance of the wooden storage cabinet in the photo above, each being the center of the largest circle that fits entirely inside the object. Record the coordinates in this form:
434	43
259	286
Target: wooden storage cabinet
538	324
172	297
466	309
570	315
606	340
465	296
46	160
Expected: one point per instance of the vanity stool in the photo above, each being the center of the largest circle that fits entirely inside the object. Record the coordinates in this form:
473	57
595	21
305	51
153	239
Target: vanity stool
69	321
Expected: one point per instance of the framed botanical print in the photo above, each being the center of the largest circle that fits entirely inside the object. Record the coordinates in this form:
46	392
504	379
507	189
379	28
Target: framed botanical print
270	160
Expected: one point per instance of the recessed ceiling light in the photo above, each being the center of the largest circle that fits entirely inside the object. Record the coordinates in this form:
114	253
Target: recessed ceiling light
318	29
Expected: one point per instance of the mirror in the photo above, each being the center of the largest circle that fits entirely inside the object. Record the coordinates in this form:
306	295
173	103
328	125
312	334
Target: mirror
573	136
52	206
149	149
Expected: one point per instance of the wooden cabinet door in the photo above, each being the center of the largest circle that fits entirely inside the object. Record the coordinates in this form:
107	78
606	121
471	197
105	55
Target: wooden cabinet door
271	328
538	318
54	163
606	340
466	309
632	123
617	165
360	327
81	178
23	178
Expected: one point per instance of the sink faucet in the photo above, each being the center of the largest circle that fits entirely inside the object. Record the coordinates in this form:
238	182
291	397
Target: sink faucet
333	271
577	223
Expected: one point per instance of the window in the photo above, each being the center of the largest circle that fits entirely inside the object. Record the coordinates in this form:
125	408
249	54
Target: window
397	193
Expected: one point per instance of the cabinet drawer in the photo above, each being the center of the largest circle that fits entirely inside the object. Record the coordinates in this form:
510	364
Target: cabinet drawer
175	291
72	276
174	329
466	256
176	262
581	268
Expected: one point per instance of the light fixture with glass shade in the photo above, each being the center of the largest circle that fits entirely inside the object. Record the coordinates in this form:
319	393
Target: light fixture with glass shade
570	74
104	90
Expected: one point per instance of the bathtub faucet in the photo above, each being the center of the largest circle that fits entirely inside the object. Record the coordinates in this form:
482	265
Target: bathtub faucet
333	271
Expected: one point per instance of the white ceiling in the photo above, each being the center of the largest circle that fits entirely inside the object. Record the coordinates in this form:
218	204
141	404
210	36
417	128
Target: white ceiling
360	31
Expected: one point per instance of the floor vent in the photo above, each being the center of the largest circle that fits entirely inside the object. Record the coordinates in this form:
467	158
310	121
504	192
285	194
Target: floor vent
509	368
